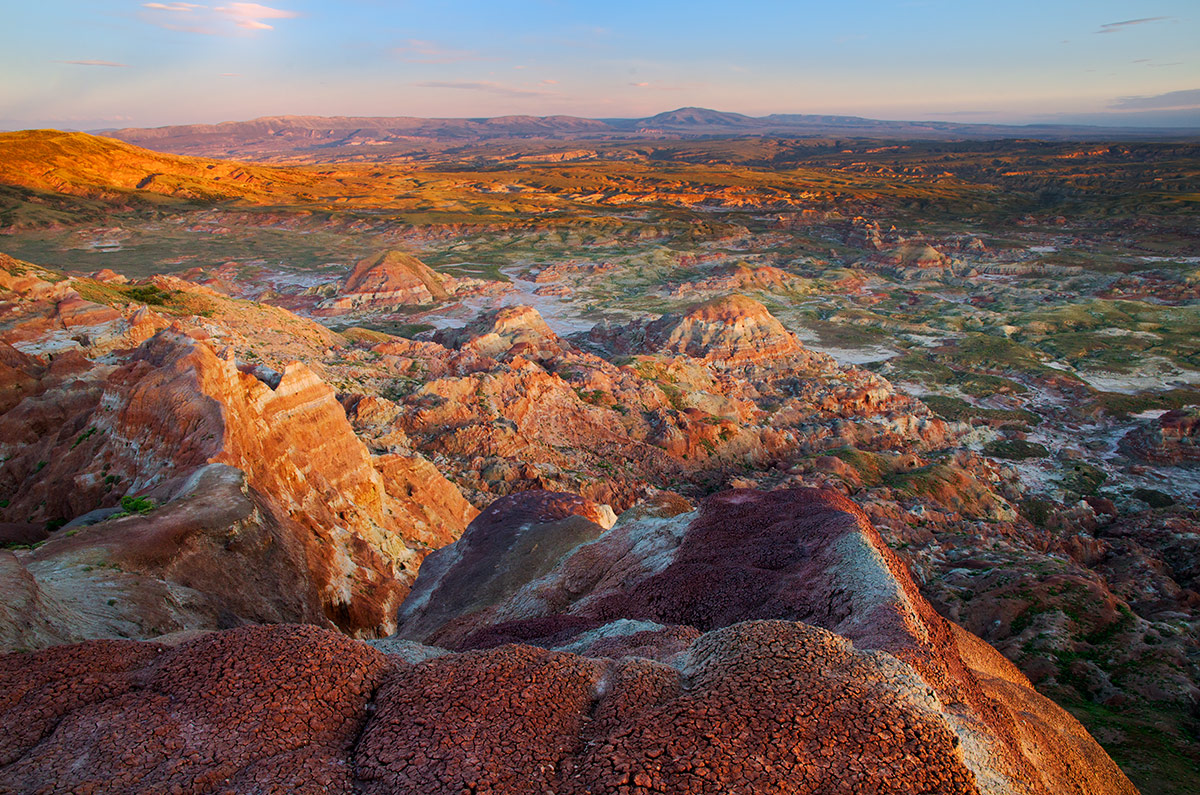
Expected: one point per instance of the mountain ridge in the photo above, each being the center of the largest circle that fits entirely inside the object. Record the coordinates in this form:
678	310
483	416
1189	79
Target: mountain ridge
305	134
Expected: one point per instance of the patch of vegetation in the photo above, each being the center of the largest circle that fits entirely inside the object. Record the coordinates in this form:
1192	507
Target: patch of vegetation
871	467
1036	510
922	367
955	409
1153	498
1026	616
399	388
83	437
1016	449
980	385
1082	479
139	505
1147	743
1121	405
992	352
147	294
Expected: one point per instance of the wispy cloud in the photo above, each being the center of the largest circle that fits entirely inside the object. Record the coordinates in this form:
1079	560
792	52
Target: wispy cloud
1116	27
249	15
96	63
490	88
1172	100
223	20
419	51
651	86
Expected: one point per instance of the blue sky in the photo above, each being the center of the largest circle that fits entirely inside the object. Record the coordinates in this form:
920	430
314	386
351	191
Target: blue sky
97	63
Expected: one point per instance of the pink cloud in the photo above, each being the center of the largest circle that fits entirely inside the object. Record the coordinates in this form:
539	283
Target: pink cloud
214	21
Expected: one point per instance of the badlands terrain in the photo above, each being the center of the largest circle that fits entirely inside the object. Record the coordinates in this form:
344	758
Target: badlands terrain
598	460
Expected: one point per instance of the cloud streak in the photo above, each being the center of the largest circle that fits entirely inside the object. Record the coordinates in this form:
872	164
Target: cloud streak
226	20
96	63
490	88
1117	27
651	86
419	51
1172	100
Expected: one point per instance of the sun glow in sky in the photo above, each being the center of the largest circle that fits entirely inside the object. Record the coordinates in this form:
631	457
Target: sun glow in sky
101	63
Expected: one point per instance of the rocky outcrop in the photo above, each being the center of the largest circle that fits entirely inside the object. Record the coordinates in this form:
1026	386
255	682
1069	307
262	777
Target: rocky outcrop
916	255
508	406
1174	438
51	317
737	278
516	330
390	279
766	642
728	331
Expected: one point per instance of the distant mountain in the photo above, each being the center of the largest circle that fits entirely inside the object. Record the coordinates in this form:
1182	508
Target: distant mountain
699	117
308	136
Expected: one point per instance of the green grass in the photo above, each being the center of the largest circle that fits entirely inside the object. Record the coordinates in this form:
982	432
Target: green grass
1083	479
1016	449
1121	405
1156	746
958	410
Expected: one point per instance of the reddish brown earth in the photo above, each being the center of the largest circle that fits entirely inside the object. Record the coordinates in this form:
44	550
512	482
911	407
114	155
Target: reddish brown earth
832	675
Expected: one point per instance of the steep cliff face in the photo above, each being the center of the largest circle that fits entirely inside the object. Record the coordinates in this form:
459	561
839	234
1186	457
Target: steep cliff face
767	642
356	526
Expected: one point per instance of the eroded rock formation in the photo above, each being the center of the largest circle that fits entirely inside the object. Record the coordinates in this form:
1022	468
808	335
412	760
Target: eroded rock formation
766	642
390	279
169	488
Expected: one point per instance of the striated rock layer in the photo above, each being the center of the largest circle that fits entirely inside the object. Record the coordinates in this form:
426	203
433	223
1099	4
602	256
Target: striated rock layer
169	488
768	642
390	279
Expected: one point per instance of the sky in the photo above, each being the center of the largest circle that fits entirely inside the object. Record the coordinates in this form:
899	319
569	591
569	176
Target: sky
93	64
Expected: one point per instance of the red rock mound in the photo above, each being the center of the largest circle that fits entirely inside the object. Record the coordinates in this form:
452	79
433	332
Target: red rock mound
730	328
659	584
518	330
390	279
728	331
